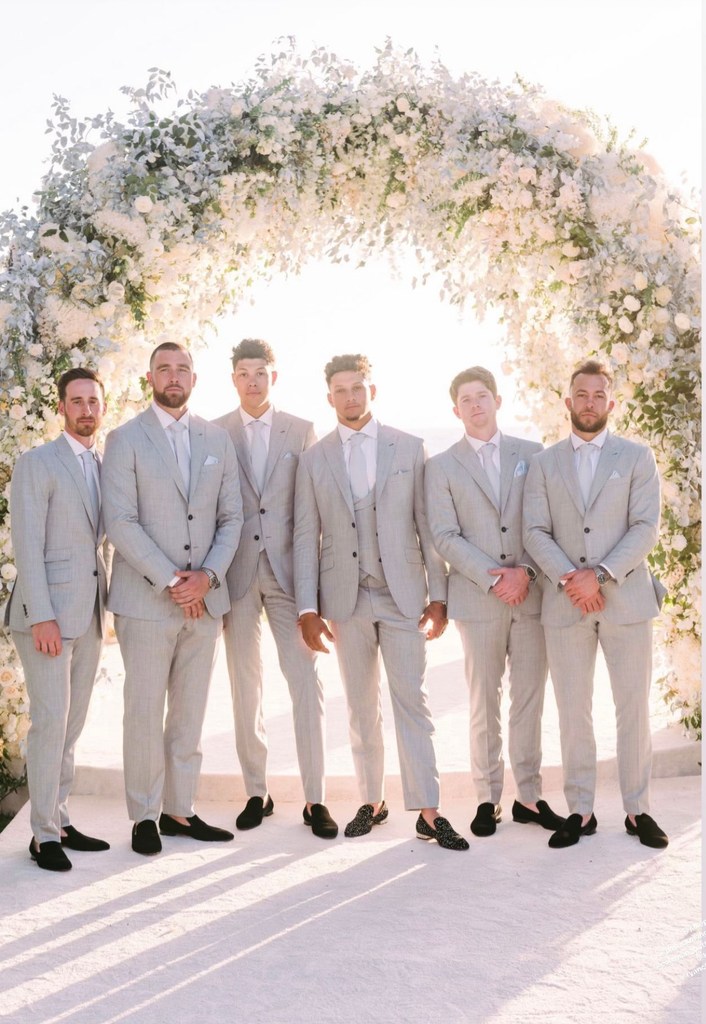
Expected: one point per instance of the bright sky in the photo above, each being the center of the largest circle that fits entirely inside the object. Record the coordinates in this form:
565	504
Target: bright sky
637	61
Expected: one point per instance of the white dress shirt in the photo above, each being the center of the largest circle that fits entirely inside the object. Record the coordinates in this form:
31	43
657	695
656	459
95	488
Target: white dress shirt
369	447
266	419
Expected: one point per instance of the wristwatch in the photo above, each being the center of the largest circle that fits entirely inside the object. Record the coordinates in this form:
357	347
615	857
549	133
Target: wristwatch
530	573
601	575
213	581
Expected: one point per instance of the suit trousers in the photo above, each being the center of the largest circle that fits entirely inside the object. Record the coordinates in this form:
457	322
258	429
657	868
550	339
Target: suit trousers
378	628
169	660
243	634
487	647
572	660
59	692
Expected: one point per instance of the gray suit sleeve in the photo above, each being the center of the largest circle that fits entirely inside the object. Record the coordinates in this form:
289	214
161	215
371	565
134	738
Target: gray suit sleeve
307	537
437	581
643	519
29	503
537	526
229	516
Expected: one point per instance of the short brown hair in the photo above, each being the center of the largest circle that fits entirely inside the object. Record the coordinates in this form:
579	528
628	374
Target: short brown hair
357	363
77	373
170	346
468	376
593	368
253	348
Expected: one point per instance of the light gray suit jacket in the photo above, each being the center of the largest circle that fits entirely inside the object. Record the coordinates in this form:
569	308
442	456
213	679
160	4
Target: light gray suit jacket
619	527
269	517
155	526
326	573
58	555
471	533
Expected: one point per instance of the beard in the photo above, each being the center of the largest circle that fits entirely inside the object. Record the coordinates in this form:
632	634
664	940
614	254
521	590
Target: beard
173	400
589	428
83	429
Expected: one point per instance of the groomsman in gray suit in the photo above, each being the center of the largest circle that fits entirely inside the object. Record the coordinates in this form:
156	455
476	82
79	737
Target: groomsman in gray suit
268	444
173	511
57	608
591	516
474	502
364	560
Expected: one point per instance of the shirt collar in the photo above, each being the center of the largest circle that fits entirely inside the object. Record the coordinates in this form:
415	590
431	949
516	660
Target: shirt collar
265	418
599	440
77	448
370	430
166	419
476	444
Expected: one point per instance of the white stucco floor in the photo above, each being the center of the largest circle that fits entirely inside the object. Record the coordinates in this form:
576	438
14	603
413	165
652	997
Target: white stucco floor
278	927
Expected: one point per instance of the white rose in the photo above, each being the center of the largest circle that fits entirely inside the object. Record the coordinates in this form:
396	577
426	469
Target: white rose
661	316
8	571
678	542
625	325
527	175
645	339
106	310
662	295
640	281
631	303
604	309
35	350
17	412
402	104
526	198
396	200
682	322
116	292
143	204
570	250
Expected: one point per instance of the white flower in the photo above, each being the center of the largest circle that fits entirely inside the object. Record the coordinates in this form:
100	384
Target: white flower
662	295
527	175
682	322
8	571
17	412
631	303
640	281
402	104
678	542
570	250
116	292
625	325
143	204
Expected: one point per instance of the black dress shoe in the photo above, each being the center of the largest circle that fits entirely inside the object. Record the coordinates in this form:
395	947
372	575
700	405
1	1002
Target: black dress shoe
322	824
196	829
364	820
49	856
76	840
443	832
648	831
254	811
544	817
145	838
572	830
487	817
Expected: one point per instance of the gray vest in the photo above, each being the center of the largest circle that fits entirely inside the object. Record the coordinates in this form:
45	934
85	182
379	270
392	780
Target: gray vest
369	561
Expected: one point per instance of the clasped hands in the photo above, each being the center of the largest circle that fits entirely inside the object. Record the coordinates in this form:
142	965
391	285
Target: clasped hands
583	590
313	627
190	591
513	585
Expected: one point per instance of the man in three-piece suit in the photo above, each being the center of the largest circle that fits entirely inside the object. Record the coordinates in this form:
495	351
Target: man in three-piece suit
474	504
591	516
57	608
268	444
173	511
364	560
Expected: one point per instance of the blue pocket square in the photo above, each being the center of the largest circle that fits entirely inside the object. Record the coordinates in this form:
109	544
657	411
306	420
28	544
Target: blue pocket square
521	468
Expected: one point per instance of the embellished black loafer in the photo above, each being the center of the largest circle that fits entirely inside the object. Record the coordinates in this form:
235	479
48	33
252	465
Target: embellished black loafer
365	819
444	834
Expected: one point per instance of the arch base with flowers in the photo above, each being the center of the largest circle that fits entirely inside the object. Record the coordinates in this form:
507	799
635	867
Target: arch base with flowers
153	226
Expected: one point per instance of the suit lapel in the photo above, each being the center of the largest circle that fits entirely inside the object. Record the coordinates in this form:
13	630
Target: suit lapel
242	449
157	436
464	453
278	435
69	460
197	443
567	469
508	465
606	465
333	453
385	455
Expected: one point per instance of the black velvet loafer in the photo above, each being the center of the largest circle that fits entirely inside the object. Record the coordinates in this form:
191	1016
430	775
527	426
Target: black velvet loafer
544	817
254	811
196	829
572	830
76	840
321	822
648	831
49	856
486	819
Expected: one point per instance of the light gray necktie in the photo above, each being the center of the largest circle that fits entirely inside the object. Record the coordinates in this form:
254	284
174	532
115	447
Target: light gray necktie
178	429
486	453
586	469
358	468
90	472
258	452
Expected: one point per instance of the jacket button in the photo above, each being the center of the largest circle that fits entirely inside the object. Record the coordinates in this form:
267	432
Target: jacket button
503	557
582	559
503	529
257	536
355	554
189	516
353	525
95	572
262	511
187	547
587	529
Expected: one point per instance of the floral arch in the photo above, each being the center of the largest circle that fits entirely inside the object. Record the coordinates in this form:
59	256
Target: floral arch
151	227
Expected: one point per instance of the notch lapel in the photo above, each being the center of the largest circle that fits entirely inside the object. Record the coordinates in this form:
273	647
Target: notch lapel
197	443
508	465
606	465
278	435
464	454
385	455
333	453
567	471
69	460
157	436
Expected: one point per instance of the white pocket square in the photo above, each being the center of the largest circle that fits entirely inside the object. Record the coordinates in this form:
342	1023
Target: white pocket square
521	468
615	475
211	460
288	455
